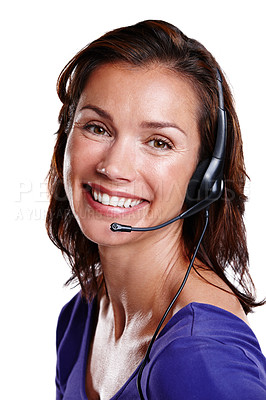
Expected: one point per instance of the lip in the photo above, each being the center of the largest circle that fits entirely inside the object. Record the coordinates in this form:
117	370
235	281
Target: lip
111	211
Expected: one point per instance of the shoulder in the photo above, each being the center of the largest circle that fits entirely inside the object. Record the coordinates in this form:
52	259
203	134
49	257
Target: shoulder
203	360
69	337
72	317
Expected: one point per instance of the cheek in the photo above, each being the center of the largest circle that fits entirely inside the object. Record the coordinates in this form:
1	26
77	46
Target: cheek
77	160
80	161
67	172
172	181
74	166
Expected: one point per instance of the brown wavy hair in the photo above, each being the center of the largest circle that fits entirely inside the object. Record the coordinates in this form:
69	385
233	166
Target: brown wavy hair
224	247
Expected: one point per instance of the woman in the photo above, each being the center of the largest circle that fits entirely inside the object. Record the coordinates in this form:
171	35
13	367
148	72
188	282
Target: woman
140	114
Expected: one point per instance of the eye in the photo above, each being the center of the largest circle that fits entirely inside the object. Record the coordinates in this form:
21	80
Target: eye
96	129
161	144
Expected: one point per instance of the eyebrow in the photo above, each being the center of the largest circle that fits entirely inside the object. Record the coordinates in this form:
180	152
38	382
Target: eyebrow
102	113
161	125
145	124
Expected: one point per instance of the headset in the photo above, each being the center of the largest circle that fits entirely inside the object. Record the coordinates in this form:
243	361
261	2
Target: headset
205	187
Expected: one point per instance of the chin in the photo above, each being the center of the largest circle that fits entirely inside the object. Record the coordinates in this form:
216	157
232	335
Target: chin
94	219
99	232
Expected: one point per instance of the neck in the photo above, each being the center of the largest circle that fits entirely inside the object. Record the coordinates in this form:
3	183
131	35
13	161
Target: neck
142	277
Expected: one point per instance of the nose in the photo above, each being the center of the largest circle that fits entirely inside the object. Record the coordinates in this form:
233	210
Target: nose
118	163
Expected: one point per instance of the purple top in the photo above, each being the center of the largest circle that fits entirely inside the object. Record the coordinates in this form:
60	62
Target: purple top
203	353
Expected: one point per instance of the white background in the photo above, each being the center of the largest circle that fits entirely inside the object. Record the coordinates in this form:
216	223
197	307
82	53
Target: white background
37	40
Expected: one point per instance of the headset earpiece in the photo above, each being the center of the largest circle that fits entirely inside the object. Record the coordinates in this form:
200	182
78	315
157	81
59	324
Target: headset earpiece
193	195
207	180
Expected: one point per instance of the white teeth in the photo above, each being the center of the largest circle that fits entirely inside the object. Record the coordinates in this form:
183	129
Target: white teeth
95	195
114	201
105	199
121	202
127	203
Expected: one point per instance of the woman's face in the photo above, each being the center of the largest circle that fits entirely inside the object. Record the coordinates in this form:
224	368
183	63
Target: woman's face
132	149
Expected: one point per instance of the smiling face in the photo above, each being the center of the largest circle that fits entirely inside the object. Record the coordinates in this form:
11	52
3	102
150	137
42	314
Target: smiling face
132	149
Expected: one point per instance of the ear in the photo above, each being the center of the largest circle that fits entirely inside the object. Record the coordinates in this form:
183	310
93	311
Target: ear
192	195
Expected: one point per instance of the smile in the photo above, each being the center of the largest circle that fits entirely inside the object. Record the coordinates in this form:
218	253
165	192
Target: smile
114	201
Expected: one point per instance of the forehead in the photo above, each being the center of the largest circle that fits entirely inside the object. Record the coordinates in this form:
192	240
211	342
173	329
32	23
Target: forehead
150	89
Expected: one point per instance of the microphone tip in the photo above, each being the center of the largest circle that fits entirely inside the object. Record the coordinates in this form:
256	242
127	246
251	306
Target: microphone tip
115	227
